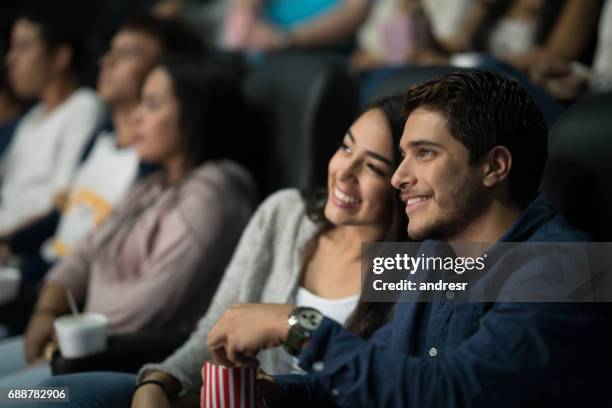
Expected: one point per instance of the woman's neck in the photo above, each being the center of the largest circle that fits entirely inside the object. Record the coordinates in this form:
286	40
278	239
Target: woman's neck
56	92
348	238
175	169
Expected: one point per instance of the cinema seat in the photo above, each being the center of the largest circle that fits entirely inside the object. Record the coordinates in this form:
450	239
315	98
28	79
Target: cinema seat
578	176
302	105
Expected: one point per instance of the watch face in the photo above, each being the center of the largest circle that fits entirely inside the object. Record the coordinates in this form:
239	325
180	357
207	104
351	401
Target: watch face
309	319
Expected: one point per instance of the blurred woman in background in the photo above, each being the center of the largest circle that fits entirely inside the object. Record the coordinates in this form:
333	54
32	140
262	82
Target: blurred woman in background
157	259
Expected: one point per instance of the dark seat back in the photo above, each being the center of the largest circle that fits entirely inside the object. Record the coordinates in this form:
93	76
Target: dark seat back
389	81
578	175
302	105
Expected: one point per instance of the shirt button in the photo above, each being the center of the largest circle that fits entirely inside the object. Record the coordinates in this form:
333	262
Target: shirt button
450	295
335	392
433	352
318	366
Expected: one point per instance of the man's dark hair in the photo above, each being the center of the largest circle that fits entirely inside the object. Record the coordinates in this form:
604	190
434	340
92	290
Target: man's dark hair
484	110
174	35
63	22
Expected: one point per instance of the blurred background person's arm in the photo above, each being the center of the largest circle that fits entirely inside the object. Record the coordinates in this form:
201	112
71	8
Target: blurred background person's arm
248	28
568	38
567	80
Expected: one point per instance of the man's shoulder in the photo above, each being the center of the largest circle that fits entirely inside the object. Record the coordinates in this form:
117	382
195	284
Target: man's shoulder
557	229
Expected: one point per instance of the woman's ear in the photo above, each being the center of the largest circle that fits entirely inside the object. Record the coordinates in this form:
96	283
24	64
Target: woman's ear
496	166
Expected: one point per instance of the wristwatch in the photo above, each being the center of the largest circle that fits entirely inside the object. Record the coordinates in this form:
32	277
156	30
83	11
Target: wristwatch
303	321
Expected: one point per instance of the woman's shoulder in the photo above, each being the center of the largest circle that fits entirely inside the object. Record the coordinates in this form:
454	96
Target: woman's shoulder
214	194
284	203
225	178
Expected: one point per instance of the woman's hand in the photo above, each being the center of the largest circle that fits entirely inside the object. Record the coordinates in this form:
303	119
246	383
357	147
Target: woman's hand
38	333
245	329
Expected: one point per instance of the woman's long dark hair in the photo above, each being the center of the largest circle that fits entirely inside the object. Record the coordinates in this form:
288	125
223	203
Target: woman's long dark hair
369	316
211	107
210	103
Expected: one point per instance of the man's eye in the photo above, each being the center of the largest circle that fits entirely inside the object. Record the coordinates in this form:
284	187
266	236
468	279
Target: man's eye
425	154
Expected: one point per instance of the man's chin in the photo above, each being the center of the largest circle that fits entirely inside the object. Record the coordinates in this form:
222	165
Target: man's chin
440	231
418	234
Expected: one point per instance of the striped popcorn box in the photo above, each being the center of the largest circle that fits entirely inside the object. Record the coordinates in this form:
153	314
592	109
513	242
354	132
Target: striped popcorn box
224	387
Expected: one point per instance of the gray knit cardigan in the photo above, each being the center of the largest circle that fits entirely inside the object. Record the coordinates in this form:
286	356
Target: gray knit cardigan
265	268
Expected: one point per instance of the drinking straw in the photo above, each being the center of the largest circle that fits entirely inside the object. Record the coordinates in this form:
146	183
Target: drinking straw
73	306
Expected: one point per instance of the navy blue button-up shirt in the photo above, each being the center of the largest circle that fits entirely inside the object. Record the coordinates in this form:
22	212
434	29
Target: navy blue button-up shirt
446	354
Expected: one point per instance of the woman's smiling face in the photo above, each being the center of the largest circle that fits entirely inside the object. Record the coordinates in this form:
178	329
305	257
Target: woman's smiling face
359	174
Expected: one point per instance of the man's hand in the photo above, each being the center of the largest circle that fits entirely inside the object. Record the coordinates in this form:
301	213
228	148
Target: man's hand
245	329
38	333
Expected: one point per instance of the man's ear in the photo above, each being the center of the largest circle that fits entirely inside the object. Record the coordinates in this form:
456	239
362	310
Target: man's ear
496	166
62	58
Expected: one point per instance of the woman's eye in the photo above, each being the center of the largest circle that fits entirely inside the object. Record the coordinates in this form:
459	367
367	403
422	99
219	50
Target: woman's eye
375	169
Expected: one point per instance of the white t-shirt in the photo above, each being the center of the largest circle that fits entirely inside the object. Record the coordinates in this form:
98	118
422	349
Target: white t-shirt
512	36
447	17
43	157
100	184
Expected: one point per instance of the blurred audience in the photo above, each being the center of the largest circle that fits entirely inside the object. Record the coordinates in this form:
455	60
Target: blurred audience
298	248
446	17
157	259
44	62
278	25
394	32
399	32
523	32
207	15
568	80
110	163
